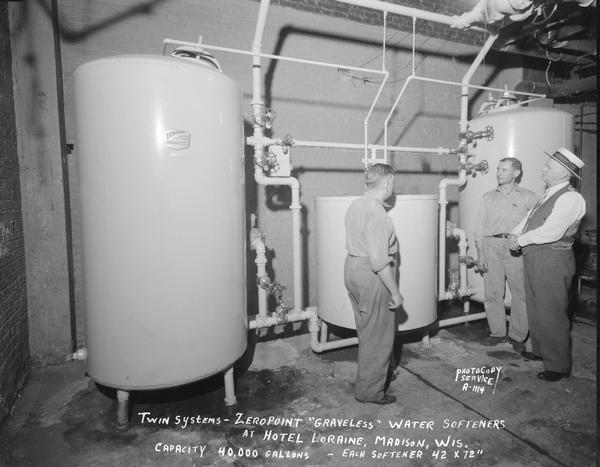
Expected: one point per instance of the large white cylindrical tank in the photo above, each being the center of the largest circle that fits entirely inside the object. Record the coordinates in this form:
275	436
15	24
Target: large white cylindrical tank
160	149
415	220
521	132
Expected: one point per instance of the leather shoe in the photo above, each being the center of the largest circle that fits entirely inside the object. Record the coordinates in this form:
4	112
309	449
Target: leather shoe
530	356
492	340
549	375
385	400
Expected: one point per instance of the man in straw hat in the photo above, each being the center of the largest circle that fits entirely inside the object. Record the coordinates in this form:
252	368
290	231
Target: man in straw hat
546	236
370	279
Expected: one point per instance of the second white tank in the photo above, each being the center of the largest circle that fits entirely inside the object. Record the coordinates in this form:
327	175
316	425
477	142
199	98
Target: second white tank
415	220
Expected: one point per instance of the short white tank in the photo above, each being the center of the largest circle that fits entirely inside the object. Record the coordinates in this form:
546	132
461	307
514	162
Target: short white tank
415	220
160	153
521	132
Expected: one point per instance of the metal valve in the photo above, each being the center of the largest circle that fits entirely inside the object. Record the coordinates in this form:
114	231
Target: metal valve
268	162
265	117
470	136
468	260
471	168
287	141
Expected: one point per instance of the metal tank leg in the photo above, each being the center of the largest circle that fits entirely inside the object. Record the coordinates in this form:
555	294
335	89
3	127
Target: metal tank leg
122	410
425	342
466	310
229	388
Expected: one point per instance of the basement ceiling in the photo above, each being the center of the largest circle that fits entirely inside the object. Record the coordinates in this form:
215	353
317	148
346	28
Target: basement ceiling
560	31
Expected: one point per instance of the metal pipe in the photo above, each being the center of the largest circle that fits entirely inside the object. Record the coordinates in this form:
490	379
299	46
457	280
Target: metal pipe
464	95
405	11
389	116
293	316
462	176
258	245
324	334
461	319
463	289
279	57
319	346
230	398
367	118
443	202
292	182
256	49
326	144
366	122
476	86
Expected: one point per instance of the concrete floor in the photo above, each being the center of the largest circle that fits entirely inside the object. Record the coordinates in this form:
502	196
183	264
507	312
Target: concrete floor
64	419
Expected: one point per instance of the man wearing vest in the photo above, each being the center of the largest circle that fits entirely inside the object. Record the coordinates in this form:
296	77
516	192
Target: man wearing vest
546	236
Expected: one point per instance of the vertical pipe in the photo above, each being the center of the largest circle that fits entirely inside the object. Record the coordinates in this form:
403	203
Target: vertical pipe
256	48
296	247
324	334
464	95
387	120
414	32
462	178
229	387
384	40
261	261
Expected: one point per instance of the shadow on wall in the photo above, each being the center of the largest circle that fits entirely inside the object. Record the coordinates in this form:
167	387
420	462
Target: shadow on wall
69	34
287	31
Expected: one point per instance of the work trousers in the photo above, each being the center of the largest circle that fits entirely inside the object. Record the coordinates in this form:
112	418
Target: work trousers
548	275
375	327
503	267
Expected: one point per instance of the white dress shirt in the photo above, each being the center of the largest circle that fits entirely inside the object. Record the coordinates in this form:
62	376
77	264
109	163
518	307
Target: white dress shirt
568	209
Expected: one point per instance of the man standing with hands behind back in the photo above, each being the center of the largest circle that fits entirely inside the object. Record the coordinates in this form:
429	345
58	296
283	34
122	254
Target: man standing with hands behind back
501	210
370	278
546	236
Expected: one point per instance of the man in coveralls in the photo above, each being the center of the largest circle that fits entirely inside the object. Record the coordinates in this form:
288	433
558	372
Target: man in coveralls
546	236
370	278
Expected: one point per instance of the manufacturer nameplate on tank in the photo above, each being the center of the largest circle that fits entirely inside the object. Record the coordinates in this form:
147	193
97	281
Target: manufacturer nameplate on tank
177	139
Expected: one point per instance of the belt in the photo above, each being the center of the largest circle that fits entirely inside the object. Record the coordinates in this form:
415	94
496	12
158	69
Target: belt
503	235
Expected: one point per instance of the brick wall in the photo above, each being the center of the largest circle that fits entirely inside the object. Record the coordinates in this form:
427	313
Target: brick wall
14	335
403	23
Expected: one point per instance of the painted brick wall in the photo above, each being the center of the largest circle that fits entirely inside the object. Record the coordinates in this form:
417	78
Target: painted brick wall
14	334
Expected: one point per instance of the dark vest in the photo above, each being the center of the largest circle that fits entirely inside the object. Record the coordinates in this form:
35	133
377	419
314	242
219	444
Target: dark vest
539	216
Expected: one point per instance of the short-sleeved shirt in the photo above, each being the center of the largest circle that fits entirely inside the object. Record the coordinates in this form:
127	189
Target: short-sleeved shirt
500	213
370	232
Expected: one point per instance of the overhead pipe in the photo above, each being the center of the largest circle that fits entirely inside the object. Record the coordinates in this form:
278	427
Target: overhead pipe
405	11
378	147
560	90
490	11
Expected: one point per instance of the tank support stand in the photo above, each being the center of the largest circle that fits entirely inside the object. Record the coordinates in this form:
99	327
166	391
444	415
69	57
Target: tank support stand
122	410
229	388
